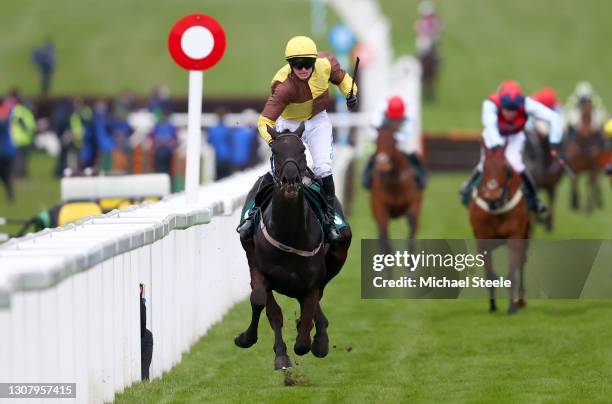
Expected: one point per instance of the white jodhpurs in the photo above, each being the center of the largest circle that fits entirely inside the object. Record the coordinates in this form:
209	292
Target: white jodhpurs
514	152
317	137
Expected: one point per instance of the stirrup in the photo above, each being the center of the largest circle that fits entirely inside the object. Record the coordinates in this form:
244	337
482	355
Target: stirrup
465	193
246	229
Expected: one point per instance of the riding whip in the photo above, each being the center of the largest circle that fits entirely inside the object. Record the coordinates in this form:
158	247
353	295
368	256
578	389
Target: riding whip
354	74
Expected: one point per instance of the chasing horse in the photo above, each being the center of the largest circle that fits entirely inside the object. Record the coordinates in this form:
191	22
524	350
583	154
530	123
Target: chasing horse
396	178
545	169
293	231
585	146
498	215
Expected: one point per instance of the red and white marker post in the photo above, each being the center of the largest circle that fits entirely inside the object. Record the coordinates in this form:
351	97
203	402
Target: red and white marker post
196	43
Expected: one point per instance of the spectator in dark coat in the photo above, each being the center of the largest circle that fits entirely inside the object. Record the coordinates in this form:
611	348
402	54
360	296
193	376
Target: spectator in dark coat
165	141
44	59
7	151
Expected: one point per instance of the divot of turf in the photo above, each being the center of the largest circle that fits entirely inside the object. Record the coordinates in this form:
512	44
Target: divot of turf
293	377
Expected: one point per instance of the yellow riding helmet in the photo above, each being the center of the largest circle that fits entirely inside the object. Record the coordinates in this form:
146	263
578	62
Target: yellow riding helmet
300	46
608	128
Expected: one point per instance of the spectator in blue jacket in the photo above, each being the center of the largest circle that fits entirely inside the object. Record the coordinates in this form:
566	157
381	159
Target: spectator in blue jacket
219	136
165	142
7	151
244	141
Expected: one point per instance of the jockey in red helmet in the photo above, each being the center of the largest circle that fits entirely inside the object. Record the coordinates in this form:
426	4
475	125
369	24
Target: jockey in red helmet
504	115
393	113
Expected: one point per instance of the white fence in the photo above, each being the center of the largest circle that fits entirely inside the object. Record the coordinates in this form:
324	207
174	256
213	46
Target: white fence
69	297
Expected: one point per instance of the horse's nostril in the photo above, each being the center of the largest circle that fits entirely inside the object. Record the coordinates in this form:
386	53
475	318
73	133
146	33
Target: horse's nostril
296	179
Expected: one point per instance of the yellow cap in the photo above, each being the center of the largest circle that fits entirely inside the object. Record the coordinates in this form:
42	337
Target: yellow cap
300	46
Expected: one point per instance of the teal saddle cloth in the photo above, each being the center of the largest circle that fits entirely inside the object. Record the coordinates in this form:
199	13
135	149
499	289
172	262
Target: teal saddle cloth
315	199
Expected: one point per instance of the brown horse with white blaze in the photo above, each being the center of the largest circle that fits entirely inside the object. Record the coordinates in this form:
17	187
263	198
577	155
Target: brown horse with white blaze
498	214
394	188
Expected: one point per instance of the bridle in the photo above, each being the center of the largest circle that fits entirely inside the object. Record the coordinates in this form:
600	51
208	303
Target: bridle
504	205
275	173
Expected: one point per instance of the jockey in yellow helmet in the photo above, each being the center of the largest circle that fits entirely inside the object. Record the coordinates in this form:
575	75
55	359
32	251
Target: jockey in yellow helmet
299	93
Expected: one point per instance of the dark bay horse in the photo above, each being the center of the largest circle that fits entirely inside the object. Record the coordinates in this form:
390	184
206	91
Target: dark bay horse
583	152
288	255
544	168
394	188
498	215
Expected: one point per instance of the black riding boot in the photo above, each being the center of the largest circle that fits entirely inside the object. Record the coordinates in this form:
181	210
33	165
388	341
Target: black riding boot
366	181
466	188
531	194
421	174
330	194
246	228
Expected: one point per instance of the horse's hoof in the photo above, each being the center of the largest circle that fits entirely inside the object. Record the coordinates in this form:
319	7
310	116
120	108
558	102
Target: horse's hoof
282	362
243	341
320	345
512	309
521	303
301	349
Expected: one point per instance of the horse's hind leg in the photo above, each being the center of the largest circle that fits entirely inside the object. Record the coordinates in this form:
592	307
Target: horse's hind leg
275	316
247	338
308	307
413	225
320	344
574	195
549	223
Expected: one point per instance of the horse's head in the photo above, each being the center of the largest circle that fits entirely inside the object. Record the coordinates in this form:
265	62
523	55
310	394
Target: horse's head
495	185
288	160
386	149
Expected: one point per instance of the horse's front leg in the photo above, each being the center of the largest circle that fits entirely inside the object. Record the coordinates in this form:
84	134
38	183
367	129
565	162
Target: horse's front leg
308	306
247	338
275	316
516	256
485	248
320	344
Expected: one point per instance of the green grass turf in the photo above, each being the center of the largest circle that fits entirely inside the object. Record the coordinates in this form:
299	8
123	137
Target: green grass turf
552	43
103	47
412	350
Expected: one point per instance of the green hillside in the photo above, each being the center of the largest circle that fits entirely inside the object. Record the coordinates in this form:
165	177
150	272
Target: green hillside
103	47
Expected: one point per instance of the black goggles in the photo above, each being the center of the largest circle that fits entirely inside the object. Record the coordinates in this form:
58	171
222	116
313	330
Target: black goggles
302	63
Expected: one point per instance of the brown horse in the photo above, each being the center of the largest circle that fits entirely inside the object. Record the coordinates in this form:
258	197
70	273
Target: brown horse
394	188
288	254
498	215
583	153
544	168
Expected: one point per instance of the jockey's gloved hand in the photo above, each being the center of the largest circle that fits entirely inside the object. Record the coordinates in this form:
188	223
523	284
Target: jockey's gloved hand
555	151
351	102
